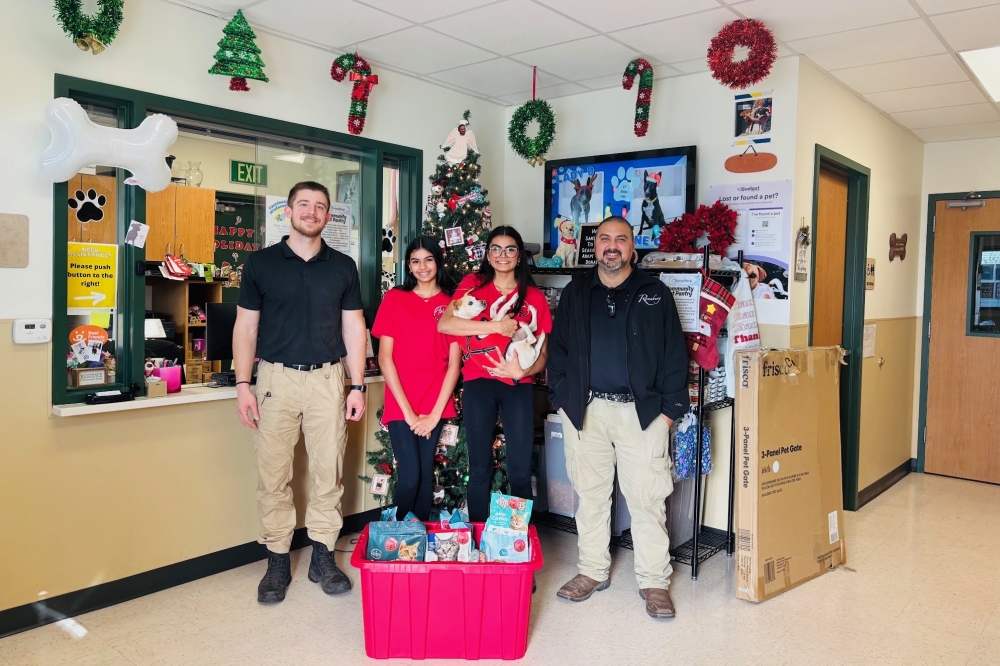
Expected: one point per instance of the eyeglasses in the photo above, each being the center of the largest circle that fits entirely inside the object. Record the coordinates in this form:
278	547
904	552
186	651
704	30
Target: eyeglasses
611	303
509	251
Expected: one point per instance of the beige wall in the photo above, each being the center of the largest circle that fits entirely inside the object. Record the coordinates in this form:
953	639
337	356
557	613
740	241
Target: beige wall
834	117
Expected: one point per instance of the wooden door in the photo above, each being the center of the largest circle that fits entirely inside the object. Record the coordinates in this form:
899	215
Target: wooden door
196	224
74	230
101	193
830	238
963	381
160	216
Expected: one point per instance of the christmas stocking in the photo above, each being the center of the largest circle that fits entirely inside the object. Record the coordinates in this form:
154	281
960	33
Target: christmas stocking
714	308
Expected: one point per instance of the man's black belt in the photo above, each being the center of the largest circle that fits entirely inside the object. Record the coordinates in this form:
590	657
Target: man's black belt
613	397
307	368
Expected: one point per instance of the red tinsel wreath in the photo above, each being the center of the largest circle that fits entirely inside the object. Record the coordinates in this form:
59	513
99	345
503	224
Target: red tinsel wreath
745	73
717	221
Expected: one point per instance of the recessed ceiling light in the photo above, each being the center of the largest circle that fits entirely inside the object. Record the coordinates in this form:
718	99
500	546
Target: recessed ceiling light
298	158
985	64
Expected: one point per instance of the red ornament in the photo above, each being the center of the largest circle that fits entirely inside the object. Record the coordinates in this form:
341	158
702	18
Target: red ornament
385	468
752	34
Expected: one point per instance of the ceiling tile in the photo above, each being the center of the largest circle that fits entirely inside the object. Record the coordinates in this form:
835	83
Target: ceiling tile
810	18
334	23
942	6
866	46
959	132
927	71
512	26
424	10
678	39
582	59
562	90
952	115
605	17
971	29
408	50
692	66
495	78
928	97
602	82
225	7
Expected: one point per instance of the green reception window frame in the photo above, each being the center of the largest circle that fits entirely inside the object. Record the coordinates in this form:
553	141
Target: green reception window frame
132	106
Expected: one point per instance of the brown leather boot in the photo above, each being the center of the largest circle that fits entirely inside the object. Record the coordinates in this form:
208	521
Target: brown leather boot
581	588
658	603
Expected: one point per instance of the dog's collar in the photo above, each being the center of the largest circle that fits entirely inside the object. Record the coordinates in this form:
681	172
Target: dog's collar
653	200
571	241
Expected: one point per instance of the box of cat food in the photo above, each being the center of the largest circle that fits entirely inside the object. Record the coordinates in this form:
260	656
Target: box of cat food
411	609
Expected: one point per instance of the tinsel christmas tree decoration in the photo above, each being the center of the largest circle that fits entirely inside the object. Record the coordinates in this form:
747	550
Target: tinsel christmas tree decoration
360	72
641	68
90	32
238	56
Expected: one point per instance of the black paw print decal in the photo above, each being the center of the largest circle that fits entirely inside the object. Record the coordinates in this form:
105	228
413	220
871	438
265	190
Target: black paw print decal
388	281
89	207
388	240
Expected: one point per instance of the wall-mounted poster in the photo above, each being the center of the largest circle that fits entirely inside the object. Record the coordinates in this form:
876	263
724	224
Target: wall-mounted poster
752	119
764	233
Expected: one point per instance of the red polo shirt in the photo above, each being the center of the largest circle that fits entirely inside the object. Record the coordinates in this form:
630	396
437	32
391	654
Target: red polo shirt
474	349
419	352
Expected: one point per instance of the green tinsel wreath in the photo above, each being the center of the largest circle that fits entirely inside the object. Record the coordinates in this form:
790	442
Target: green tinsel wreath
90	32
534	149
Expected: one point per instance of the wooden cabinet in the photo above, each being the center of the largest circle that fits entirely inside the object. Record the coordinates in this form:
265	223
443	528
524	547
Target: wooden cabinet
172	300
95	219
181	221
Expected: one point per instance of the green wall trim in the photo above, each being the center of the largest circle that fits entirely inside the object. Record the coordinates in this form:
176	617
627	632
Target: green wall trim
858	183
925	344
132	106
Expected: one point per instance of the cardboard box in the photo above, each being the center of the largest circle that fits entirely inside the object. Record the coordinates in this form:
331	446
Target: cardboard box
156	388
789	498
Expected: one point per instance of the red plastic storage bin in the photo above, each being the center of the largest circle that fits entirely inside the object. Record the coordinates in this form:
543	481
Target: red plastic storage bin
445	610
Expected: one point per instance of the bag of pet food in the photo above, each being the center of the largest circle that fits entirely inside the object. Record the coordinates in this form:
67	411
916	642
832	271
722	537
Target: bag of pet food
456	518
397	540
389	515
505	538
452	544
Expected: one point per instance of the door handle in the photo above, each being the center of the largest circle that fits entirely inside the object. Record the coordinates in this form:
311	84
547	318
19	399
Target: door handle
168	248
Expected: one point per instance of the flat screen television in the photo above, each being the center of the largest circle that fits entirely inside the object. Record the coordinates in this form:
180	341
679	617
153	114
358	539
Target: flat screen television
650	189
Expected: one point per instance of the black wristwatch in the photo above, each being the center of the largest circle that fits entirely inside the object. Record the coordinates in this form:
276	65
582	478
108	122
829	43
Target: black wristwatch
359	387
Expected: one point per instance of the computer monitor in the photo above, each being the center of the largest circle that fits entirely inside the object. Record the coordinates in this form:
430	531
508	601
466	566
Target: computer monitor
220	320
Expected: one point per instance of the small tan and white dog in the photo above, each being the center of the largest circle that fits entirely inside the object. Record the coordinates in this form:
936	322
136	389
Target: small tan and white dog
524	345
567	241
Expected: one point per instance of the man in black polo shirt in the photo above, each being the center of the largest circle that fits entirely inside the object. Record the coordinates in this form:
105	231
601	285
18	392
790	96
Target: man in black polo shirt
617	371
299	311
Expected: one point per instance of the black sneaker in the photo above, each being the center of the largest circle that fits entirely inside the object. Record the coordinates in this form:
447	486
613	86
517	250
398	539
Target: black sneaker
323	570
279	575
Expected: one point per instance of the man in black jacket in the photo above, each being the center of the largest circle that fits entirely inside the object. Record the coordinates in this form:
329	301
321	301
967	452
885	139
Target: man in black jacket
617	371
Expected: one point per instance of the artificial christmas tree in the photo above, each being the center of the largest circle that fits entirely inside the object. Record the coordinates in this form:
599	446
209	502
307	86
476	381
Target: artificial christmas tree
238	56
458	204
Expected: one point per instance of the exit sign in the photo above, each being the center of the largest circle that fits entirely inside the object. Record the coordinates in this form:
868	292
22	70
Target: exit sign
247	173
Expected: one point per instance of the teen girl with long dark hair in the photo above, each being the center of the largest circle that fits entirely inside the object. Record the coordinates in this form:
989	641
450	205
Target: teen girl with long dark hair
492	386
421	368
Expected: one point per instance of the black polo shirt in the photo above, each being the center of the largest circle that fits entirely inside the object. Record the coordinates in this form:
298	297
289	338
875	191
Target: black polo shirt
300	302
609	336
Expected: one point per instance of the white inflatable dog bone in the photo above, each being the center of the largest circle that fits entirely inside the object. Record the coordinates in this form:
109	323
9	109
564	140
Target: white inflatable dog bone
77	141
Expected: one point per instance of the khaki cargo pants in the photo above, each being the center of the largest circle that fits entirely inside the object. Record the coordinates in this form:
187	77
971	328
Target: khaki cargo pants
612	435
290	401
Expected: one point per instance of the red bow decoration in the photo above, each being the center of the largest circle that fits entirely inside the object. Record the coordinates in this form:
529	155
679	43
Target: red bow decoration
455	201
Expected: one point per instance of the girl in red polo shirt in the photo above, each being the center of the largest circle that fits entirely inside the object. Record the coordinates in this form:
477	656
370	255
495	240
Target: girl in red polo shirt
421	368
492	386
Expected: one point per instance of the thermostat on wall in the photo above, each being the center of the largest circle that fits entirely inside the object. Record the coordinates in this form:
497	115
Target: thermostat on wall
32	331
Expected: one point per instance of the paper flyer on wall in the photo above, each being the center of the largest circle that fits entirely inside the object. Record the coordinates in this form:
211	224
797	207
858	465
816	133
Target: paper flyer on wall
764	233
686	290
337	232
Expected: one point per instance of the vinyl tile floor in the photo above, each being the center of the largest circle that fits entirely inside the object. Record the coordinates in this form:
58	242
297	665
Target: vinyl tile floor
922	586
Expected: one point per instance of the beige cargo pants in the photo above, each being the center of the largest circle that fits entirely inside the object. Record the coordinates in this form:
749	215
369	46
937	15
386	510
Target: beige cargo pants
290	401
612	436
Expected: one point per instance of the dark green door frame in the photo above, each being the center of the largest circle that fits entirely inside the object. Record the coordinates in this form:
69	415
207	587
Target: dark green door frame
925	345
858	187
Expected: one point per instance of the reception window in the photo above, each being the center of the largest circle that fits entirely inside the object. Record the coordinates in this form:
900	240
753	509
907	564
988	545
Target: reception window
124	307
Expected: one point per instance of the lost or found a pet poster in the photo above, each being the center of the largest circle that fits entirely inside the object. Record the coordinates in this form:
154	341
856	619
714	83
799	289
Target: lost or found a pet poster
764	233
686	290
752	120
